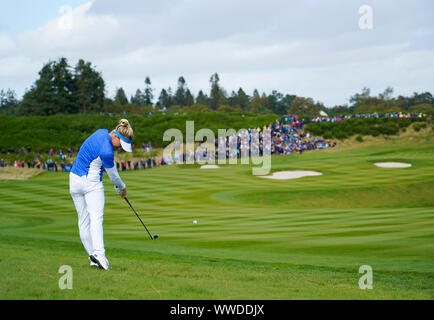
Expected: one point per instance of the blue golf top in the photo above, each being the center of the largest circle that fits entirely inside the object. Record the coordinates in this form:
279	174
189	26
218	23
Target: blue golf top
95	155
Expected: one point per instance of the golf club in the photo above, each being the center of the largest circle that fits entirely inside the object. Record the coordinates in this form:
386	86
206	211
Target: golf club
153	237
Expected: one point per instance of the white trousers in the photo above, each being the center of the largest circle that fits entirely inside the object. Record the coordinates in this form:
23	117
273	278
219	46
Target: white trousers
89	200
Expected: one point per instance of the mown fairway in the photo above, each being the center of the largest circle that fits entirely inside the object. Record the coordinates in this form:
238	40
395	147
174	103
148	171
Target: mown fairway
306	241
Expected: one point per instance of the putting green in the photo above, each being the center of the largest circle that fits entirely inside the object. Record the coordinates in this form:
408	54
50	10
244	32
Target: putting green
255	238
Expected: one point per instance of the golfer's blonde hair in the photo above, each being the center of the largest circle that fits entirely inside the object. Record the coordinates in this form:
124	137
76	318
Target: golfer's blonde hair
124	128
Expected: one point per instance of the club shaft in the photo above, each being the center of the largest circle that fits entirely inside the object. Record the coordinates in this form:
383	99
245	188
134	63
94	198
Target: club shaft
139	218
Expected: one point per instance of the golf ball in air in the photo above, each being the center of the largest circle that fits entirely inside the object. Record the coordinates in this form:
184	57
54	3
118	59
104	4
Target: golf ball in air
195	222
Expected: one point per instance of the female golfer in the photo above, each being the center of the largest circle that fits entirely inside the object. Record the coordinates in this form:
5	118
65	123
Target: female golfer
87	190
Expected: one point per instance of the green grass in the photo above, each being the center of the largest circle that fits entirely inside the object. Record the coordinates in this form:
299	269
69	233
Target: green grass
306	241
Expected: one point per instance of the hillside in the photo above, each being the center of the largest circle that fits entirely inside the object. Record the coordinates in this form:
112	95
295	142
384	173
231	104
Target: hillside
69	131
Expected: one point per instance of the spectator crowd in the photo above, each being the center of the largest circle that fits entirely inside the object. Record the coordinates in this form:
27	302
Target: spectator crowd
287	136
399	115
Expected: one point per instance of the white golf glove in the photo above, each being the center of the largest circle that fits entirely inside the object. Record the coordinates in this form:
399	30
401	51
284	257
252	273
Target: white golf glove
118	190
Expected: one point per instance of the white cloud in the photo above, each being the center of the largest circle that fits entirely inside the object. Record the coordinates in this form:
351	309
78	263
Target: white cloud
7	45
311	48
86	34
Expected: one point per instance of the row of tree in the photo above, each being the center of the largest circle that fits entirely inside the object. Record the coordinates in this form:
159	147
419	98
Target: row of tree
385	102
62	89
217	99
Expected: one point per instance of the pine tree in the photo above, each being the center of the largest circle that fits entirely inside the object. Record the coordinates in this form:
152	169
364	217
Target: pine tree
148	95
164	100
138	98
180	94
256	103
189	99
243	99
121	97
8	102
202	99
52	93
90	87
217	95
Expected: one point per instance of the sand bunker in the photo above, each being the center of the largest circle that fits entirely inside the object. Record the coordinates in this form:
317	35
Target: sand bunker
209	166
392	165
12	173
286	175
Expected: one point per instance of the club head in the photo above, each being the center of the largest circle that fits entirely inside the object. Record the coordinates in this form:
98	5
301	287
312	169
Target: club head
155	236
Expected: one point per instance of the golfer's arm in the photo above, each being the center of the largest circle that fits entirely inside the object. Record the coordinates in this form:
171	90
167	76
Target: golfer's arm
115	178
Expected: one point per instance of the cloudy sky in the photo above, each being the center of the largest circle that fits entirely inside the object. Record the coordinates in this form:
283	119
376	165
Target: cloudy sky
312	48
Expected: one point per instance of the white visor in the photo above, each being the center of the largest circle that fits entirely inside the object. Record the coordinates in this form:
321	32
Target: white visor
126	146
125	143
